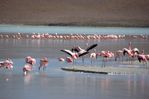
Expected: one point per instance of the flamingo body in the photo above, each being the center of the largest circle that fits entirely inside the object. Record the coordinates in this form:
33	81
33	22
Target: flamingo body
8	64
43	63
27	68
69	59
30	60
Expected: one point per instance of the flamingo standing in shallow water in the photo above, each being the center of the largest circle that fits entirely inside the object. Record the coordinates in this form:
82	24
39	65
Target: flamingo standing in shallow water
29	64
119	55
93	56
132	53
30	60
27	68
143	58
8	64
43	63
105	55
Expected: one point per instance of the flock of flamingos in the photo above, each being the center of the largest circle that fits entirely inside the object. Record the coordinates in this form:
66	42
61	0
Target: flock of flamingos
77	52
70	36
131	53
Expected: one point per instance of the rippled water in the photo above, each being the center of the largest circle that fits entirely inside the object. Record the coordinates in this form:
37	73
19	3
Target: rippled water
55	83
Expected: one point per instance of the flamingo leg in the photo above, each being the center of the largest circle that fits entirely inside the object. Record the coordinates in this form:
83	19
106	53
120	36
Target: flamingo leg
83	60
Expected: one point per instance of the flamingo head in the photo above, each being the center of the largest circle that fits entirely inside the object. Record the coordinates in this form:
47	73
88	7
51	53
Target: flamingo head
32	61
27	59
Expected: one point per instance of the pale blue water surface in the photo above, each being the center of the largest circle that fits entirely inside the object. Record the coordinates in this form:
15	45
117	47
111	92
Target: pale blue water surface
53	83
72	29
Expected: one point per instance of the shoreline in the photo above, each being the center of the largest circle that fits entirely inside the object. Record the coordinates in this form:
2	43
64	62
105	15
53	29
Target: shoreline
81	25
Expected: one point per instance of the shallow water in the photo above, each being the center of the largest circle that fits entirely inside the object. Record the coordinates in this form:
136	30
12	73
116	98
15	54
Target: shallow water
55	83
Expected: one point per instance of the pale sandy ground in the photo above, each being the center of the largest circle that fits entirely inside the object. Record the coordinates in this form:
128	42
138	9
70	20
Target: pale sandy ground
75	12
107	70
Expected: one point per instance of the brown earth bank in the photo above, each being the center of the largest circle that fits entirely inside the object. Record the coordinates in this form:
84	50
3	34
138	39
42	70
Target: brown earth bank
75	12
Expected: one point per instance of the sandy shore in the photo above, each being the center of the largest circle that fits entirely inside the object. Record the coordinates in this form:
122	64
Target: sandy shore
75	12
107	70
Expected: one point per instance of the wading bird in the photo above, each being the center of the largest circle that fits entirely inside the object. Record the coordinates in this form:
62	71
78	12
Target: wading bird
106	55
142	58
132	53
30	61
8	64
43	63
82	51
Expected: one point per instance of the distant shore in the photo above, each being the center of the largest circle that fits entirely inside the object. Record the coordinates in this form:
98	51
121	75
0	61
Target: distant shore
87	24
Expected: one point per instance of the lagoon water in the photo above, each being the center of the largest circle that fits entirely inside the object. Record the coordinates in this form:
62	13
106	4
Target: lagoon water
53	83
5	28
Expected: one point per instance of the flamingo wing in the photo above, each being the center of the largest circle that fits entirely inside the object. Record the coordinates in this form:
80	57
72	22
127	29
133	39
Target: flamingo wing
74	49
140	58
67	52
125	51
91	47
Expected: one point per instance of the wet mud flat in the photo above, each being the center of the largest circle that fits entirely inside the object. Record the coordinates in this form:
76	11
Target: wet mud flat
107	70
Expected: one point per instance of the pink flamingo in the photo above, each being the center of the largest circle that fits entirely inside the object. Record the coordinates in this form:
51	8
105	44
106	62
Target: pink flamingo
118	55
8	64
143	58
132	53
69	60
30	60
73	55
27	68
82	51
29	64
105	55
93	56
43	63
147	57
